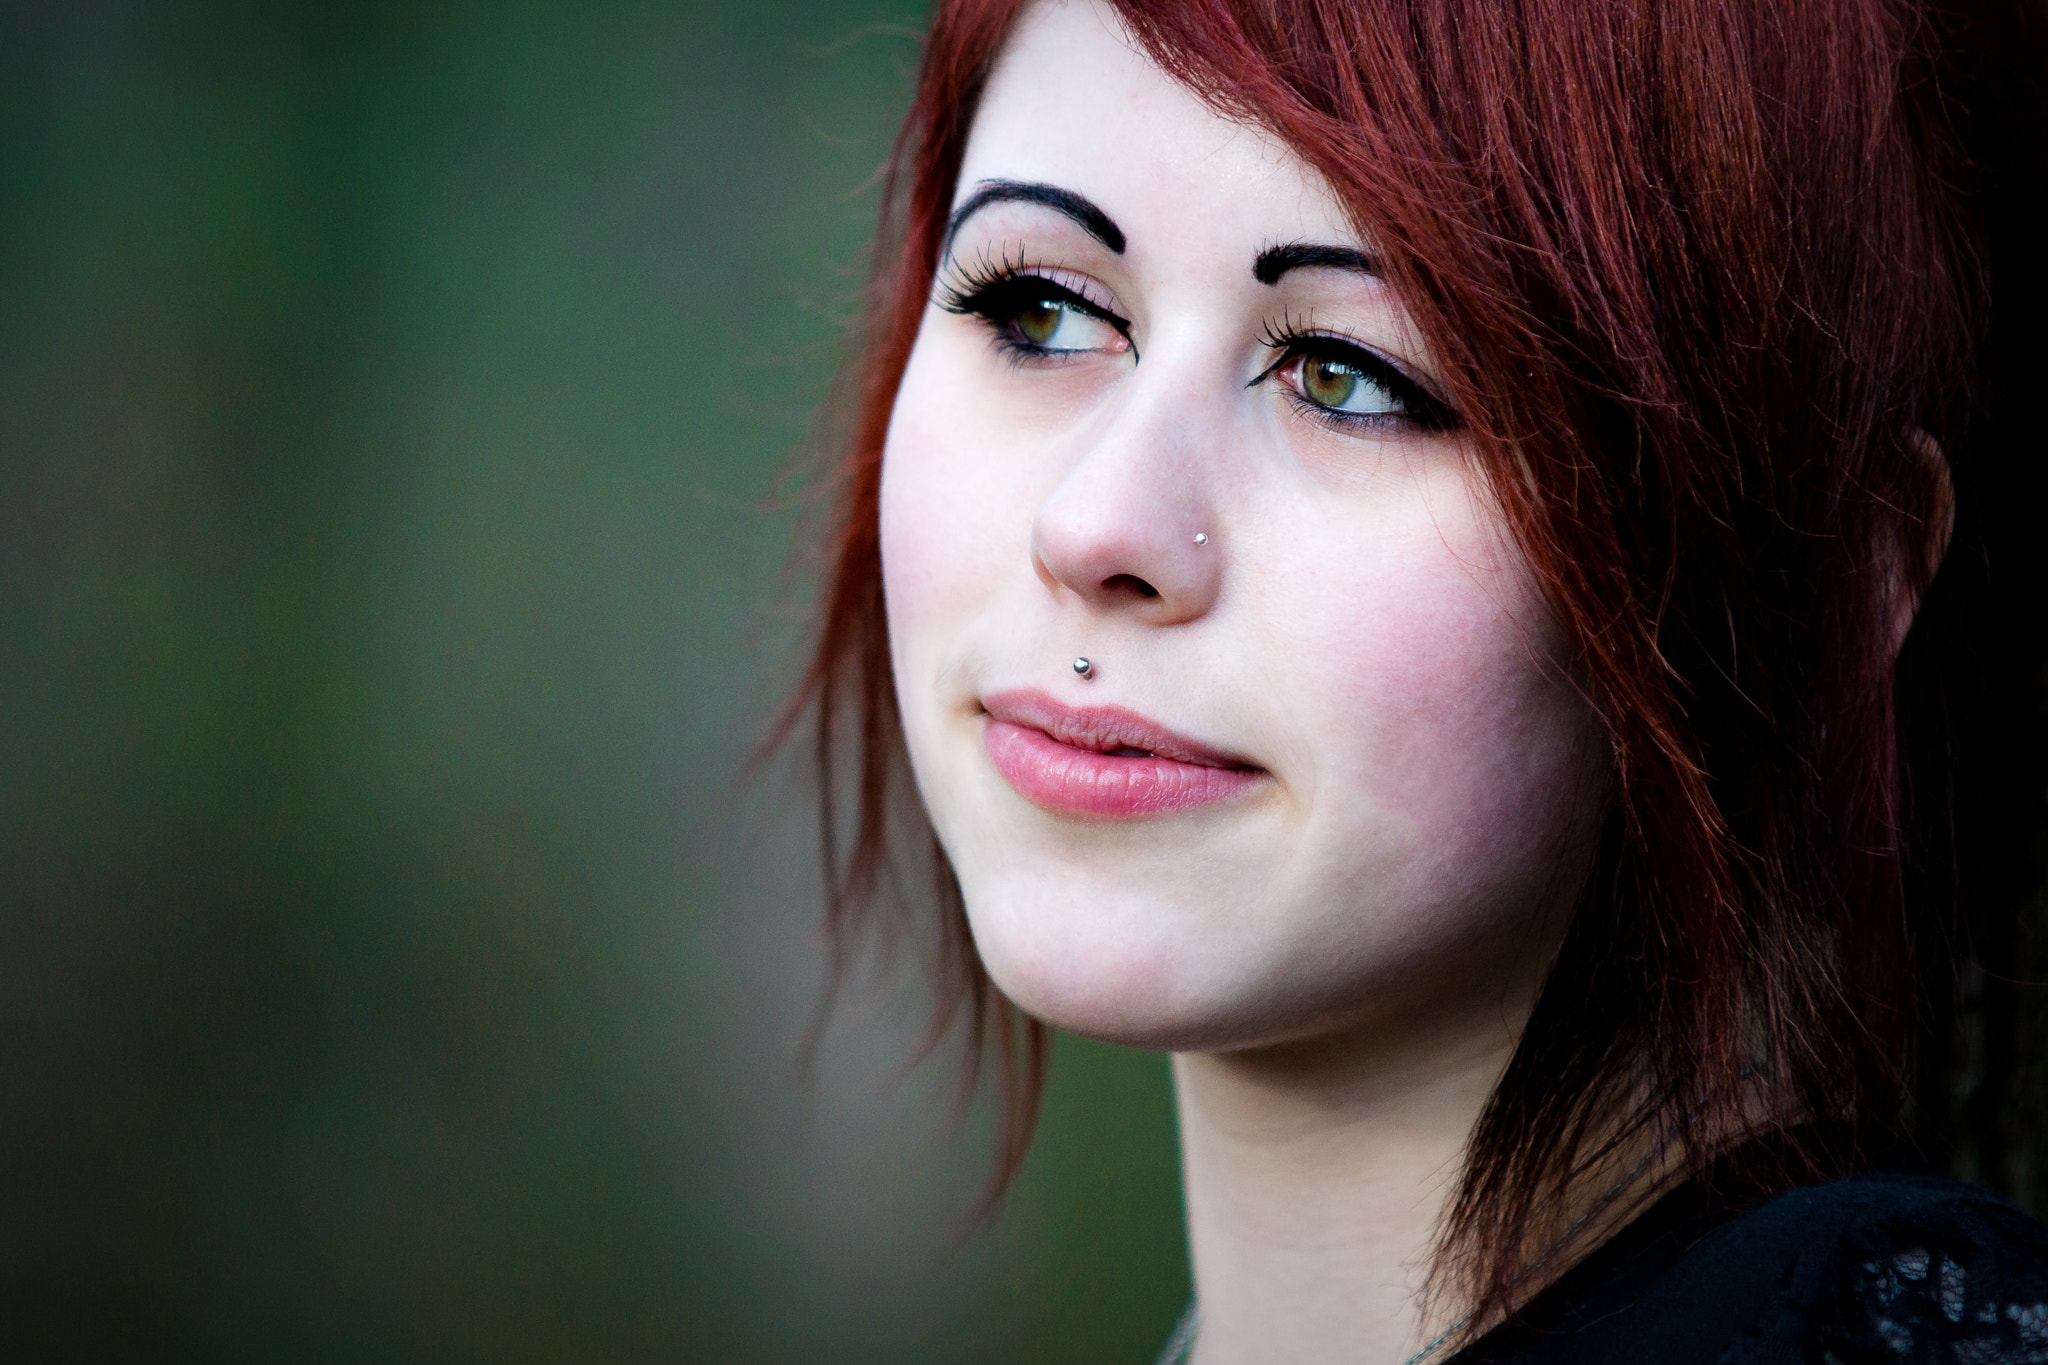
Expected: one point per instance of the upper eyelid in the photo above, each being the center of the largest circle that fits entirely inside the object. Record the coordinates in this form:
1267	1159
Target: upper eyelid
963	300
1282	339
1107	311
1278	336
988	268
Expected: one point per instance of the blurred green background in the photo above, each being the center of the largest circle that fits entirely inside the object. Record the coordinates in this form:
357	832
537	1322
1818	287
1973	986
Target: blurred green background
394	965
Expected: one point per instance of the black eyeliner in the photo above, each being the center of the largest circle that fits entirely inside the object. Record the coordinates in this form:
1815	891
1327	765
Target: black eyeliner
996	292
1421	407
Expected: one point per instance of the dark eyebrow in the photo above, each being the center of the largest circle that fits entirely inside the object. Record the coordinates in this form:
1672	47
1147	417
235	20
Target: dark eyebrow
1276	261
1077	207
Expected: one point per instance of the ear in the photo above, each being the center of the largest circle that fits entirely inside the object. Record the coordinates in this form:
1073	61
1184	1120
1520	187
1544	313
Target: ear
1930	548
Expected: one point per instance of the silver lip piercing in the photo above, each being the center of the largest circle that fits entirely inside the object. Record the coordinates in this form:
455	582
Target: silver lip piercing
1084	668
1201	537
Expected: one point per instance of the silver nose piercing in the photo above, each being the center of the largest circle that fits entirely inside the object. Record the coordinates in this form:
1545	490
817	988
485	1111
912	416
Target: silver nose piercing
1084	668
1201	537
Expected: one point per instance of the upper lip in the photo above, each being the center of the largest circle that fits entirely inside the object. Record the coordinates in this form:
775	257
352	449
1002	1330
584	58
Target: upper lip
1104	728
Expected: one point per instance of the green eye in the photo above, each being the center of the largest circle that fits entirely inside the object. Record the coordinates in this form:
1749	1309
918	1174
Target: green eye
1344	384
1039	320
1329	382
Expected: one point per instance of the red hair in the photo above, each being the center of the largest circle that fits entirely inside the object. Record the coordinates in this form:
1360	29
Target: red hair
1699	274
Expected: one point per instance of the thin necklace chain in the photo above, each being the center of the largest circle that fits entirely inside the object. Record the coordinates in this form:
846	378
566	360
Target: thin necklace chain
1438	1344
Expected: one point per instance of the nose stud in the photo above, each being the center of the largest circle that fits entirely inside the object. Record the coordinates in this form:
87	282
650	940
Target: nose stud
1084	668
1201	537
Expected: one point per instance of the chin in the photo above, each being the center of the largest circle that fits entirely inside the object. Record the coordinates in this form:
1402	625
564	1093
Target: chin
1106	971
1130	970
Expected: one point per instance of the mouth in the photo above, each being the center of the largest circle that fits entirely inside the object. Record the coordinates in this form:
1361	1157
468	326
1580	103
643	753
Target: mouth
1105	762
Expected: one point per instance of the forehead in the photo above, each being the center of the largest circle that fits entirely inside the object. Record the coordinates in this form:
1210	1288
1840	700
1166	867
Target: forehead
1075	102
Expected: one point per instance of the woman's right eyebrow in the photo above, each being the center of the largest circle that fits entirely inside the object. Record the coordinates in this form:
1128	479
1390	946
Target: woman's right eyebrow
1276	261
1078	207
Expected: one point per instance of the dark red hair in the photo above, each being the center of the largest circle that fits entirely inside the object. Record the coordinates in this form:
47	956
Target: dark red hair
1705	276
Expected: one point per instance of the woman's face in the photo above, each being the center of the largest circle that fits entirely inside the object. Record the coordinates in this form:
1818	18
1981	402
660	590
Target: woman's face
1326	768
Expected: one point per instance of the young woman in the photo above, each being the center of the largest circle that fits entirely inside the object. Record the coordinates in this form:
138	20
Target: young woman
1395	540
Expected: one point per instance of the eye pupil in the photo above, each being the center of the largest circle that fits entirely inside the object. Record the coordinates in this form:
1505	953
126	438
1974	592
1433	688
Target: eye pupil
1039	320
1329	382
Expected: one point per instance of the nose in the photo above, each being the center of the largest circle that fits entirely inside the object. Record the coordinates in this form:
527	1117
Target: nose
1129	527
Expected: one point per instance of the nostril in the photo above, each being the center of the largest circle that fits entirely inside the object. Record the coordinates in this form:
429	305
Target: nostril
1130	583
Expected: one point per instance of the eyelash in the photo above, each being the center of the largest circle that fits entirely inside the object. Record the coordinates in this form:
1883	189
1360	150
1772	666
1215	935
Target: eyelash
1419	407
996	291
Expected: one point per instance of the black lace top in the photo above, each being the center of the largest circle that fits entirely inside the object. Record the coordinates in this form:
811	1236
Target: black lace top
1878	1270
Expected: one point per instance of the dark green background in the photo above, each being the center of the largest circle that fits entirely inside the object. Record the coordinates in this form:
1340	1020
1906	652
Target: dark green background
394	967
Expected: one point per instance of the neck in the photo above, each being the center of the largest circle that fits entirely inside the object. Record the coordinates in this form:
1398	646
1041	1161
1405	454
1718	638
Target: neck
1317	1177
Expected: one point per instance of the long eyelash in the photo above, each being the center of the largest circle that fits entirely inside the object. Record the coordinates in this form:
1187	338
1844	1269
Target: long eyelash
971	283
976	290
1283	335
1291	338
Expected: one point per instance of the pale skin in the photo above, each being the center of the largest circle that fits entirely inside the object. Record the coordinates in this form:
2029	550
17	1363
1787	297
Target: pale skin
1340	949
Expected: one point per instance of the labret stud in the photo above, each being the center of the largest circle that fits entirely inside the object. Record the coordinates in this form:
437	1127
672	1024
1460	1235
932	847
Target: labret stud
1084	668
1201	537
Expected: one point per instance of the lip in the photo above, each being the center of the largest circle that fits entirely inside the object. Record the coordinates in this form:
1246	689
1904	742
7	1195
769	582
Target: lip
1064	759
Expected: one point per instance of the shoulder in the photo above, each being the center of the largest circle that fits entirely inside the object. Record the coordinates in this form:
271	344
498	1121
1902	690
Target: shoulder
1875	1270
1945	1273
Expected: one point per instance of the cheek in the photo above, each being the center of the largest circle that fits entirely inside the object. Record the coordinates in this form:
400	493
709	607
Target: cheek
920	552
950	501
1448	713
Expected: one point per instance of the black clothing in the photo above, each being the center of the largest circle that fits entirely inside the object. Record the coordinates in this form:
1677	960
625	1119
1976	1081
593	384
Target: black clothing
1875	1270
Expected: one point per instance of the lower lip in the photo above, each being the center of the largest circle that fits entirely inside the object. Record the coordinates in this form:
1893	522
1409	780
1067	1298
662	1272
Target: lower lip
1074	781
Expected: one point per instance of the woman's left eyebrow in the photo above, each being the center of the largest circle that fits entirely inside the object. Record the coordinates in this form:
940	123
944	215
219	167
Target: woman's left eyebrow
1276	261
1078	207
